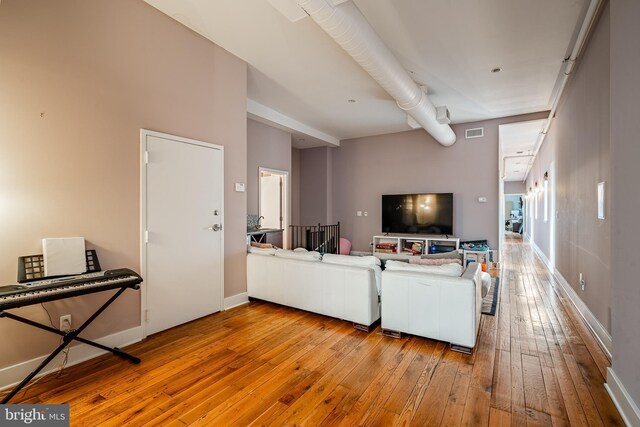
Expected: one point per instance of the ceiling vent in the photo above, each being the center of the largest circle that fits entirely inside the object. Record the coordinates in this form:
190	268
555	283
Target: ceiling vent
474	133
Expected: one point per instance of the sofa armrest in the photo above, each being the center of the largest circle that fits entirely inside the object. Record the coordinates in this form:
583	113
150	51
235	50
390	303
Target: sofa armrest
472	270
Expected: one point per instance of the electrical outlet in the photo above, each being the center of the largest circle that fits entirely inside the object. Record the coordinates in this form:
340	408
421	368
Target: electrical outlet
65	322
582	282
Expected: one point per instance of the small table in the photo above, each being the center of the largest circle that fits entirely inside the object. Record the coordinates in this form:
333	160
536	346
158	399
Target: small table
259	236
482	257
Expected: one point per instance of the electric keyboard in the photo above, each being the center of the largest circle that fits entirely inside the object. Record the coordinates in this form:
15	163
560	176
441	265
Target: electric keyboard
24	294
14	296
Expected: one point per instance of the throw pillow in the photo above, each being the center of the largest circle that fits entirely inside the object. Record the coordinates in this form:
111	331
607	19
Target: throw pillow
362	261
453	270
444	255
434	261
304	256
261	251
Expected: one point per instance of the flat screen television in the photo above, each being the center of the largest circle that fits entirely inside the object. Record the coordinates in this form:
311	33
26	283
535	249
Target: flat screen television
427	213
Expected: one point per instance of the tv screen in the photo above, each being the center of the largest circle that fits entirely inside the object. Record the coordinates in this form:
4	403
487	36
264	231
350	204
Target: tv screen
429	213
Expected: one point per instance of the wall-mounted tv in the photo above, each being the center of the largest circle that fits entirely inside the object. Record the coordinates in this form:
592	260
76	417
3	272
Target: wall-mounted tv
427	213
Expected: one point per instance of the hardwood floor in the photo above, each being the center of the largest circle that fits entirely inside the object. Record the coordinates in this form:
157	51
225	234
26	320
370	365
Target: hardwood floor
262	364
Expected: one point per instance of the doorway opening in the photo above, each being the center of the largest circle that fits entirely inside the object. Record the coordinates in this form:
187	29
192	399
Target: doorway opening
517	149
513	213
273	203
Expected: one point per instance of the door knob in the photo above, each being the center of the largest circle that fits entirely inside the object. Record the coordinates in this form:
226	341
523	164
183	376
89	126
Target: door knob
215	227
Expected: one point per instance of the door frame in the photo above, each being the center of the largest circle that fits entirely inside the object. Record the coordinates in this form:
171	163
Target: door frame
287	201
144	133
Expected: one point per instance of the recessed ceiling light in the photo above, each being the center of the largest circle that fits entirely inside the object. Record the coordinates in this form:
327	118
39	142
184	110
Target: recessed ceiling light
351	100
496	70
519	152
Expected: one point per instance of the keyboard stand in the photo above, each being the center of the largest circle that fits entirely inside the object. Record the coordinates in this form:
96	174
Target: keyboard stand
67	337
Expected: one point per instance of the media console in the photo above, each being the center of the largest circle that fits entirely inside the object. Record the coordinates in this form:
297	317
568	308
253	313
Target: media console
407	245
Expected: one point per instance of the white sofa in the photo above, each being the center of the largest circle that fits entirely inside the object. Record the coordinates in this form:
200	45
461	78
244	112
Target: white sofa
433	306
340	291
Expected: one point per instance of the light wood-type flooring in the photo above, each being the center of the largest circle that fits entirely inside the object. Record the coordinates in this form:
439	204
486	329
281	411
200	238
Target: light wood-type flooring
263	364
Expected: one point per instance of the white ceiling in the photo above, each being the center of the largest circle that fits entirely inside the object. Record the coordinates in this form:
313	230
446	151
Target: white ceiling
297	71
518	142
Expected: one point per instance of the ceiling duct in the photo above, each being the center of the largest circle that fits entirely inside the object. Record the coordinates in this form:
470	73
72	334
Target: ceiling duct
350	29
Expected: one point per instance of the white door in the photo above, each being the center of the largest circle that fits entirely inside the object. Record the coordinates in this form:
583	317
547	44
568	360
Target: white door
270	206
273	203
182	215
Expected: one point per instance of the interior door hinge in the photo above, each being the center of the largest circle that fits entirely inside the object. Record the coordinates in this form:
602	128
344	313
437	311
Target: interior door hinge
146	157
146	315
146	236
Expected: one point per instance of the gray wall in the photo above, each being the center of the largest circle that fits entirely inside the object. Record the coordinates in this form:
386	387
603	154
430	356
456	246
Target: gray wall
514	187
78	81
315	185
625	197
267	147
295	186
413	162
540	228
578	144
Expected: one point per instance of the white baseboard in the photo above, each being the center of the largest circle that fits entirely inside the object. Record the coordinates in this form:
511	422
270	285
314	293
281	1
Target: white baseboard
12	375
236	300
625	404
599	331
543	257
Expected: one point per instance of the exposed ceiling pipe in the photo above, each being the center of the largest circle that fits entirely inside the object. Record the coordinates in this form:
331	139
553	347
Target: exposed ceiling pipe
350	29
569	64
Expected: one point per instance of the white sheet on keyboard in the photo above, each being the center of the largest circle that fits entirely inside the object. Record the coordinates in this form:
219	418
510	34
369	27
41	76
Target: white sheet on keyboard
63	256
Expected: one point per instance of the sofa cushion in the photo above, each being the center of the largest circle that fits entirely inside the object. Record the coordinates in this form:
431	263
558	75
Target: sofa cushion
304	256
262	251
444	255
362	261
453	270
434	261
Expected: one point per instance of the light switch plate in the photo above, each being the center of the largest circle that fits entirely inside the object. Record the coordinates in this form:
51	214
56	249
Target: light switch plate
482	199
240	187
